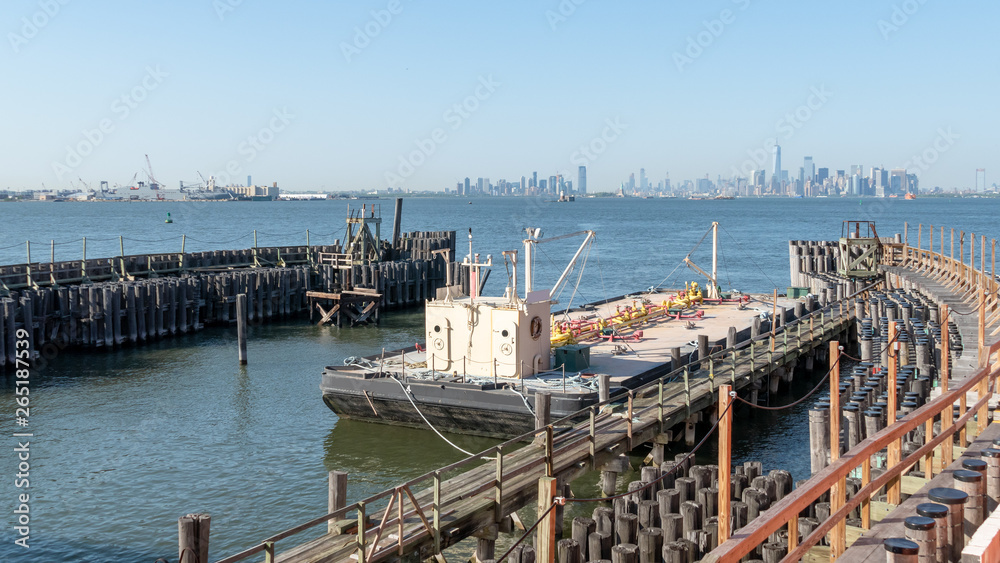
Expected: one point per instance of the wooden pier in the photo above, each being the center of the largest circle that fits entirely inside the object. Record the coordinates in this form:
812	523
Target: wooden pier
104	304
476	496
968	298
419	518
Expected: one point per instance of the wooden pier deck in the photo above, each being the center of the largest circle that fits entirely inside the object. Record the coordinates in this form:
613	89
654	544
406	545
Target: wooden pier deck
418	519
969	298
866	545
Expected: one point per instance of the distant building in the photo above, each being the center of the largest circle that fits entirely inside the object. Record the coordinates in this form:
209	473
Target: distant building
809	168
776	168
256	192
642	180
897	181
822	174
582	179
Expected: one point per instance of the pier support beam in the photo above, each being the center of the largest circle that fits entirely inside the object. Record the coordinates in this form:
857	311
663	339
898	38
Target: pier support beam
486	540
689	427
336	497
609	474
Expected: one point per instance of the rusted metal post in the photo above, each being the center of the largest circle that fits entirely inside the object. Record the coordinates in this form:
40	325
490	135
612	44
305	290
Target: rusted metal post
895	448
725	459
838	535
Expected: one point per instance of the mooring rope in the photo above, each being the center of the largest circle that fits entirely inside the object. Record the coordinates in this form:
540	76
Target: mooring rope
807	395
408	396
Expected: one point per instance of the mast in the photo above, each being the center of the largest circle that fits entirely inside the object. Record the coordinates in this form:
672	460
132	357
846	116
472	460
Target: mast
713	290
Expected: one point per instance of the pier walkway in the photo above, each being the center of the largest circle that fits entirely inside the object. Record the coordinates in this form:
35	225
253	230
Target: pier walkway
418	519
969	365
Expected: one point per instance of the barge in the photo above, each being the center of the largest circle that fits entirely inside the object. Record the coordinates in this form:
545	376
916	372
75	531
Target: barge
488	361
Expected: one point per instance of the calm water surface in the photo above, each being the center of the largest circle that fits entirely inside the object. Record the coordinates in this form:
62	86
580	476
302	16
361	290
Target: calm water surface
127	442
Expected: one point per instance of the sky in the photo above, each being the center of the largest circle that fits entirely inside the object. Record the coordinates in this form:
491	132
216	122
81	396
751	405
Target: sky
372	94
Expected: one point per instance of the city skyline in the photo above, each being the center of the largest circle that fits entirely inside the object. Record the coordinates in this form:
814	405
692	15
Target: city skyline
390	93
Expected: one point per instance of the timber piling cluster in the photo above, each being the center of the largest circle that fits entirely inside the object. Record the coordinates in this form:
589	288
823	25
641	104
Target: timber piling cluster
108	303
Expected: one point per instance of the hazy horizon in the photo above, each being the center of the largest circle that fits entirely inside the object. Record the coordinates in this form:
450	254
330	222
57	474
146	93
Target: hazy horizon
395	93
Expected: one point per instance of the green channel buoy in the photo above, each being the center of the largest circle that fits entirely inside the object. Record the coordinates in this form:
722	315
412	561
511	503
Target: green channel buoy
169	220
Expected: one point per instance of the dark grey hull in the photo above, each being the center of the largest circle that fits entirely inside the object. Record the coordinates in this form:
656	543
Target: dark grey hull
449	405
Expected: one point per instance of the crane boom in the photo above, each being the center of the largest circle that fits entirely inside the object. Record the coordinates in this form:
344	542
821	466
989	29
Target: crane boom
153	184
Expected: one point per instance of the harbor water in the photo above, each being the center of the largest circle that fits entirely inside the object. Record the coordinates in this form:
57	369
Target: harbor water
126	442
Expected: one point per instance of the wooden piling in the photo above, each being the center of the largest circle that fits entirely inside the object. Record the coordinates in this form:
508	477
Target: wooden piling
241	326
193	537
543	409
336	497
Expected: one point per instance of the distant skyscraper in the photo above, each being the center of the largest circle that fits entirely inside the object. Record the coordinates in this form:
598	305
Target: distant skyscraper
642	180
897	181
582	180
822	174
466	186
524	185
248	181
553	186
810	168
534	179
776	166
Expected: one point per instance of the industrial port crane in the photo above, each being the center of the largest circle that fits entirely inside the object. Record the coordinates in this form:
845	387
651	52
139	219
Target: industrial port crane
153	184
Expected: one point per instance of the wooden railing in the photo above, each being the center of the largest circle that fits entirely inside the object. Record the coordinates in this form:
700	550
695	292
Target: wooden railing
556	447
975	287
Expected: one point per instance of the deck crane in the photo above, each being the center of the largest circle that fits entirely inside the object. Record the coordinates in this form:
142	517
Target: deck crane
209	184
713	283
153	184
534	238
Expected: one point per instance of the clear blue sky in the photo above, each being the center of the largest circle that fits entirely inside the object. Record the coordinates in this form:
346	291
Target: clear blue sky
329	117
